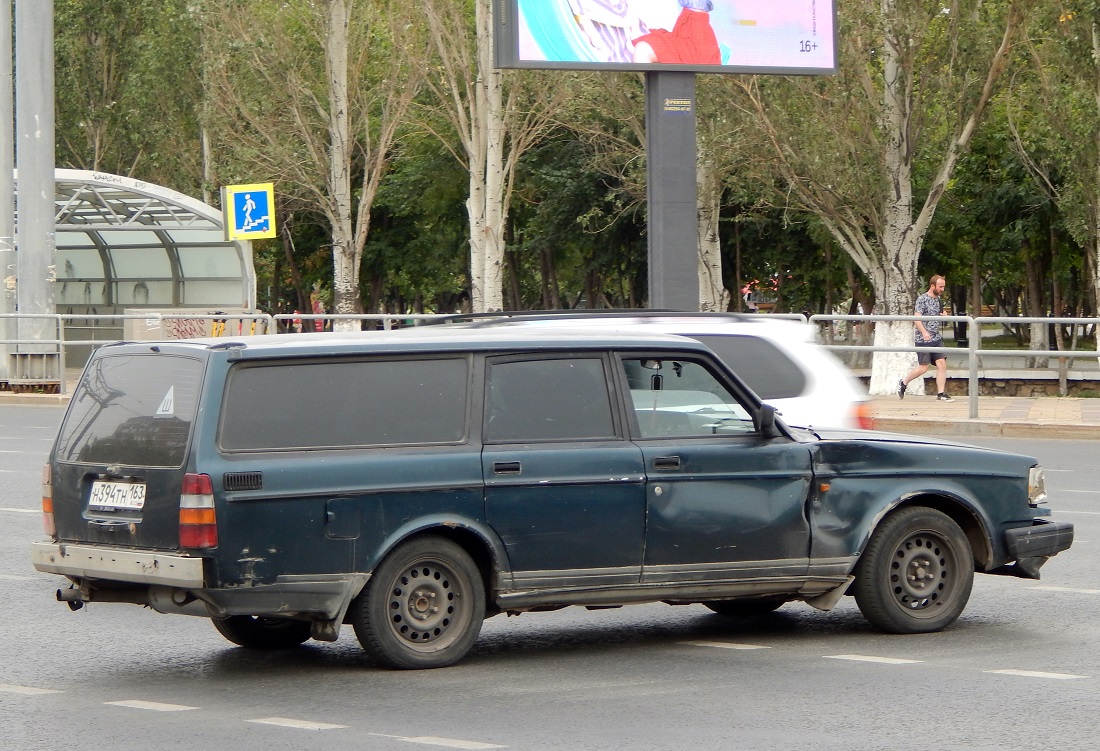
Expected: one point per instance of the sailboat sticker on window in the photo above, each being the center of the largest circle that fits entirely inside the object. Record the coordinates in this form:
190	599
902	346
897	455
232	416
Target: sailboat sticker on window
167	406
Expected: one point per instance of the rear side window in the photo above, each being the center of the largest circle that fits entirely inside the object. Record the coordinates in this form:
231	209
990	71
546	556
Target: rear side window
335	404
548	400
764	367
132	409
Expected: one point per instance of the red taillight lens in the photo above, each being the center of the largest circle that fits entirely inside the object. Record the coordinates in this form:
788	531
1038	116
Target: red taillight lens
863	415
198	522
47	502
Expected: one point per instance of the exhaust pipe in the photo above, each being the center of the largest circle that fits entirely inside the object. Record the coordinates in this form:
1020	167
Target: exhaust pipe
71	597
75	597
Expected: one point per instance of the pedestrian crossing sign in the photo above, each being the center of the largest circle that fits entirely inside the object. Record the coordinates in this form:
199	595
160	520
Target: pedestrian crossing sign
249	211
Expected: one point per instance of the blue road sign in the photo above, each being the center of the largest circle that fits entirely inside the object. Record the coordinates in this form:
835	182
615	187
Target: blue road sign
250	211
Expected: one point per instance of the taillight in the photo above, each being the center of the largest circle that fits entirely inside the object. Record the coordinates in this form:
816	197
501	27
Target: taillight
198	525
47	501
863	416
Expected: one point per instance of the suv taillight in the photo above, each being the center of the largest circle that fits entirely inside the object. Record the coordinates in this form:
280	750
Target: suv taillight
198	525
863	415
47	502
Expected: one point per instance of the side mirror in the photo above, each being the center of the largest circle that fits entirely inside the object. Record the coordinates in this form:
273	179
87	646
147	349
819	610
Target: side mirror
763	420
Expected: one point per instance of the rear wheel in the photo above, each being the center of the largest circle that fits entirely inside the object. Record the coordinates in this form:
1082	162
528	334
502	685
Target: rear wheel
256	632
916	574
745	608
423	606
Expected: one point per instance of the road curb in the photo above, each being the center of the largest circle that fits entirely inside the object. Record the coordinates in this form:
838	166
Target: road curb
987	428
41	400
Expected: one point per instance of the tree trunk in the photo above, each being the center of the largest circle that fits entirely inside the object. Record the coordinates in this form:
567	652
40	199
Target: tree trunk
345	261
713	295
485	205
1095	266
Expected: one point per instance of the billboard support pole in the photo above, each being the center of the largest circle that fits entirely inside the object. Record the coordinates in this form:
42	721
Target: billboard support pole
671	190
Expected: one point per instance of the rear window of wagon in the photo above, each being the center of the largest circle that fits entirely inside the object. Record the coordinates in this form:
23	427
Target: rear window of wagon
134	409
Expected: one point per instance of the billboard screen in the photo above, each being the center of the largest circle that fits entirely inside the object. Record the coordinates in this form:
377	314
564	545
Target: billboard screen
708	36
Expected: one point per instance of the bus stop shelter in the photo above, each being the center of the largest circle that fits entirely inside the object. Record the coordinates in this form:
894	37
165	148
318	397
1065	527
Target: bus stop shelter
126	246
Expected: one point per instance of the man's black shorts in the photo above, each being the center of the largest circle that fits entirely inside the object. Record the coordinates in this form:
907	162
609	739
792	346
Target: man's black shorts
933	353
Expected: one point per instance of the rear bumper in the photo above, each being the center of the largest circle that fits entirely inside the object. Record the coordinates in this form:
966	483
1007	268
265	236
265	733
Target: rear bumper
117	564
174	584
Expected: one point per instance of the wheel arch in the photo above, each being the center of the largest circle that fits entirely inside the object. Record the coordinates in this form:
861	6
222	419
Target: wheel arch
960	512
480	544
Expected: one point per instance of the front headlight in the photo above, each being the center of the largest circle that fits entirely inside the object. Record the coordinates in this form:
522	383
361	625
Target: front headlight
1036	487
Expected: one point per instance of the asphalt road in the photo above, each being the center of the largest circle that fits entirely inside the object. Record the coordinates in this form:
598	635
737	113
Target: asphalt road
1019	670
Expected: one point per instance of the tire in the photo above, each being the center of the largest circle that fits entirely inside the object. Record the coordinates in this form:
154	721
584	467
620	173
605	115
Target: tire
397	619
916	574
746	608
257	632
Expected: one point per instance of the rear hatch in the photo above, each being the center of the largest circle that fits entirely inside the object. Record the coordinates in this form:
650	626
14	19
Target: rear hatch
118	462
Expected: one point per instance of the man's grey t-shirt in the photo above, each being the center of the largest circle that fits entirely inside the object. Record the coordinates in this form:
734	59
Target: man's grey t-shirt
927	305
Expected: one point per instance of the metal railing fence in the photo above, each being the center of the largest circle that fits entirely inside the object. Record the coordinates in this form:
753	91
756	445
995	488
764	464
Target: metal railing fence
80	330
973	351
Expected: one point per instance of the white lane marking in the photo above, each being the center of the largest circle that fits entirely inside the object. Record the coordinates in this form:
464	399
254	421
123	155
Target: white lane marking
150	705
286	722
1090	513
7	688
723	645
1068	490
22	510
1075	590
450	743
870	658
1037	674
10	578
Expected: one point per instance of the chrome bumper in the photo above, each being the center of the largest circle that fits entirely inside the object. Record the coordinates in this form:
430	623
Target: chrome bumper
117	564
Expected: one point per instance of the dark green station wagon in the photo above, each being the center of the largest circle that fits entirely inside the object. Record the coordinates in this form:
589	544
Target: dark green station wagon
413	483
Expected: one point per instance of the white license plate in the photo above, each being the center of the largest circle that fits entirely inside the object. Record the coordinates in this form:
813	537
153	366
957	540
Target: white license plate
117	495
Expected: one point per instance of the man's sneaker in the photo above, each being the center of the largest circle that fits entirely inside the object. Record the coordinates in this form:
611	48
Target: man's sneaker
942	397
901	389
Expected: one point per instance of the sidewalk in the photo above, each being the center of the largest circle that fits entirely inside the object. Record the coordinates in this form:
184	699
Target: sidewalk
1006	416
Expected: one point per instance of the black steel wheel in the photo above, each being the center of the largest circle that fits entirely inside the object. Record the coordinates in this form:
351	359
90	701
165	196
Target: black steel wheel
257	632
423	606
916	574
746	608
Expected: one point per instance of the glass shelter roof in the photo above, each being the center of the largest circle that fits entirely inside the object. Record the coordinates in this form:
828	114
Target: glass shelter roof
123	243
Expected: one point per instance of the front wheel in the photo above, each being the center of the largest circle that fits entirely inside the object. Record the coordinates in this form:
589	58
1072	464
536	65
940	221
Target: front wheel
423	606
916	574
256	632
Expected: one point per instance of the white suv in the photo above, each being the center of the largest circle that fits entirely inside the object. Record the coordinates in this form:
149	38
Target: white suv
778	358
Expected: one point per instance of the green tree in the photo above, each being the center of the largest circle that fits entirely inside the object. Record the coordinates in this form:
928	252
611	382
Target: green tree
128	89
871	151
311	95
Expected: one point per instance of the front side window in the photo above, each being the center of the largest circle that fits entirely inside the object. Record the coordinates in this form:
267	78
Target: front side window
548	400
682	398
343	404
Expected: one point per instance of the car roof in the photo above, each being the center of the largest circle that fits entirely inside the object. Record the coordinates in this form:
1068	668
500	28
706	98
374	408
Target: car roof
754	324
421	339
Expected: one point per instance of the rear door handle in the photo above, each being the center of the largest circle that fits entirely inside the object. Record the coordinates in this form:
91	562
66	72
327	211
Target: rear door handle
507	468
666	462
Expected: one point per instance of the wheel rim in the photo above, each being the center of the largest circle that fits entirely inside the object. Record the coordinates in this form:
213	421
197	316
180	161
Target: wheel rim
426	606
923	574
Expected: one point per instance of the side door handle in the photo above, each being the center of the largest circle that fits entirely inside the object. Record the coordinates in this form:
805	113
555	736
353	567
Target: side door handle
507	468
666	463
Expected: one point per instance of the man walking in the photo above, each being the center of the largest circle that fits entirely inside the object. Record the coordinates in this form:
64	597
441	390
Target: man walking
929	340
